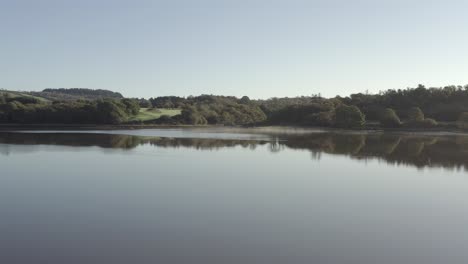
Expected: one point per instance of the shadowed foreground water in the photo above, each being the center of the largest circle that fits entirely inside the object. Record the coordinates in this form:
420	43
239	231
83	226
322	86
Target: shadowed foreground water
162	196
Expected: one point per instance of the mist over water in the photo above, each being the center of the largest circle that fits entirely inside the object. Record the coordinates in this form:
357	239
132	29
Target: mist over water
235	196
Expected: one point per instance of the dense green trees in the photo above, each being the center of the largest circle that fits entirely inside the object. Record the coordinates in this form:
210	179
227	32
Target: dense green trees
131	106
245	100
210	110
349	117
415	107
390	119
191	116
221	110
443	104
201	110
70	112
410	108
314	112
416	119
110	112
144	103
77	93
418	107
168	102
415	115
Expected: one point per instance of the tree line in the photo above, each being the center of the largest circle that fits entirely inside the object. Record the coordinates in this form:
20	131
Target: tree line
32	111
418	107
57	94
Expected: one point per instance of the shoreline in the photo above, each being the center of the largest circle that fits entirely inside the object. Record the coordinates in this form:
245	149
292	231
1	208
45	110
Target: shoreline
58	127
84	127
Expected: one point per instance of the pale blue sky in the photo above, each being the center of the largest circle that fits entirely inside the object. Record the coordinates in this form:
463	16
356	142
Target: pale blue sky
256	48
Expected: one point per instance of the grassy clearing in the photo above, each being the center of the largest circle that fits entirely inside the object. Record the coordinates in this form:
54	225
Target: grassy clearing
147	114
13	94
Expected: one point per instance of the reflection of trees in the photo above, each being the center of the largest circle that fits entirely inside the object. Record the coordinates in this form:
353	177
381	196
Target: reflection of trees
414	146
420	151
70	139
120	141
349	144
275	145
200	143
5	150
462	142
381	144
316	155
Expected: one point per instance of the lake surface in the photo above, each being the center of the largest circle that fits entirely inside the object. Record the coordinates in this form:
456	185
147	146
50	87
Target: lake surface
233	196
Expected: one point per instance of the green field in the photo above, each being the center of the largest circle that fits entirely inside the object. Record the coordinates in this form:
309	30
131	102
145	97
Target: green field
147	114
14	94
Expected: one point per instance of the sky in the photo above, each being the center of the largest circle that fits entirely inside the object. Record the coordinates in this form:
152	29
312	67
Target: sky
259	48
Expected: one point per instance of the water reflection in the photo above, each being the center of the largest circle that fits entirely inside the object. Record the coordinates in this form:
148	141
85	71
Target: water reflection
447	151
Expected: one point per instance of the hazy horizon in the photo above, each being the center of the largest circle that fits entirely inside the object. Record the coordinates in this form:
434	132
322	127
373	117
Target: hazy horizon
262	49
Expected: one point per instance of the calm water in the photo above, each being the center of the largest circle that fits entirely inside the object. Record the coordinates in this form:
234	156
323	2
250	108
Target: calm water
233	196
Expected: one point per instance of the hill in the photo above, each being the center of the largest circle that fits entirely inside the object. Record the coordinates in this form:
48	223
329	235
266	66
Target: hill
21	97
67	94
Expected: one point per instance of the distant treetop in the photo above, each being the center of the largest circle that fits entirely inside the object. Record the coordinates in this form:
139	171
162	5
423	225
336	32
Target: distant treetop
79	93
84	92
